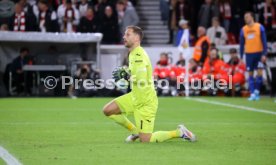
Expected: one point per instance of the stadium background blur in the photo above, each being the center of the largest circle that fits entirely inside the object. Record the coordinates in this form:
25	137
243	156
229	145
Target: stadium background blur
65	131
159	19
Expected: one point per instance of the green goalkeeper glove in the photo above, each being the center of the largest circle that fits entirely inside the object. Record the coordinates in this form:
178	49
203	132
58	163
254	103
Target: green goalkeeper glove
120	73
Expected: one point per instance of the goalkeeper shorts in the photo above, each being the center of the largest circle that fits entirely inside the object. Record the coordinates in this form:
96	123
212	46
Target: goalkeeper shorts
144	115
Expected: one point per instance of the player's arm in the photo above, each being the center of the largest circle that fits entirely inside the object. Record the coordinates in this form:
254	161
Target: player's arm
263	37
242	41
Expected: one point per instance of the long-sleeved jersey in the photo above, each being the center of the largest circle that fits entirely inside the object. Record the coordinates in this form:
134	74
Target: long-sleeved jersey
142	84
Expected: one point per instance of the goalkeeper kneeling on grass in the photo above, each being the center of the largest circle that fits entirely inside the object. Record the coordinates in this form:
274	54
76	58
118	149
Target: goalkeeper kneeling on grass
142	101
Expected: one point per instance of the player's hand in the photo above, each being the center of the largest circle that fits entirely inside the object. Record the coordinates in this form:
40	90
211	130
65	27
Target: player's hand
119	73
263	58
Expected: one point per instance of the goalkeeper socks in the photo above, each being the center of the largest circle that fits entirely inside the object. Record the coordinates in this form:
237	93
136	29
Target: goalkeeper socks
259	82
161	136
251	83
122	120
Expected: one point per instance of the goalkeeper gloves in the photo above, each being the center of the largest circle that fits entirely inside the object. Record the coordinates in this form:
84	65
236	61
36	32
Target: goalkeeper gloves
120	73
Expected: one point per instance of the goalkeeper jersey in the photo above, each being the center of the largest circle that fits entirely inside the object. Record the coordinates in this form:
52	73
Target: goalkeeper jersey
142	85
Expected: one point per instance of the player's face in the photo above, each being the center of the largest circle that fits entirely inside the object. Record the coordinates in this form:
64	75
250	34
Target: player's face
248	19
129	38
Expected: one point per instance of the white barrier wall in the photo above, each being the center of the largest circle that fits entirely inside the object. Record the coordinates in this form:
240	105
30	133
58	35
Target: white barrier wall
74	45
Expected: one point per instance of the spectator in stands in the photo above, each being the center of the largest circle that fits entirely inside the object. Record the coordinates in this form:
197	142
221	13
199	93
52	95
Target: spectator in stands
268	14
177	73
216	33
195	77
128	3
69	19
214	68
172	25
54	4
101	7
32	2
225	11
6	11
179	68
83	7
193	22
238	10
30	8
89	23
162	69
206	13
61	8
17	70
22	21
181	60
4	27
109	27
27	7
236	69
47	19
164	8
126	16
182	11
183	37
220	55
202	46
254	45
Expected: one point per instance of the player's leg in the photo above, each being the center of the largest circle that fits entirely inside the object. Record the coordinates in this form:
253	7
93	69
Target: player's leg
251	82
258	65
259	83
160	136
111	108
117	109
259	78
250	66
180	132
145	125
146	129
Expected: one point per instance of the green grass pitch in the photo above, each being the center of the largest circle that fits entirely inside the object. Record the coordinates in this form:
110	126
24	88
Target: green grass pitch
63	131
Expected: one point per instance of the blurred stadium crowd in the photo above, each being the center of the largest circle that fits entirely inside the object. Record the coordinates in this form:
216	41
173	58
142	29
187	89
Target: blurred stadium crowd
213	68
110	17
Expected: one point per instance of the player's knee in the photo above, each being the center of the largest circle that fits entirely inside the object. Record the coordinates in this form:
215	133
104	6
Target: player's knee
144	138
111	109
107	110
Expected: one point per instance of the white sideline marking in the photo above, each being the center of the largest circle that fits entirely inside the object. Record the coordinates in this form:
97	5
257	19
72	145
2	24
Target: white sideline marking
7	157
234	106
